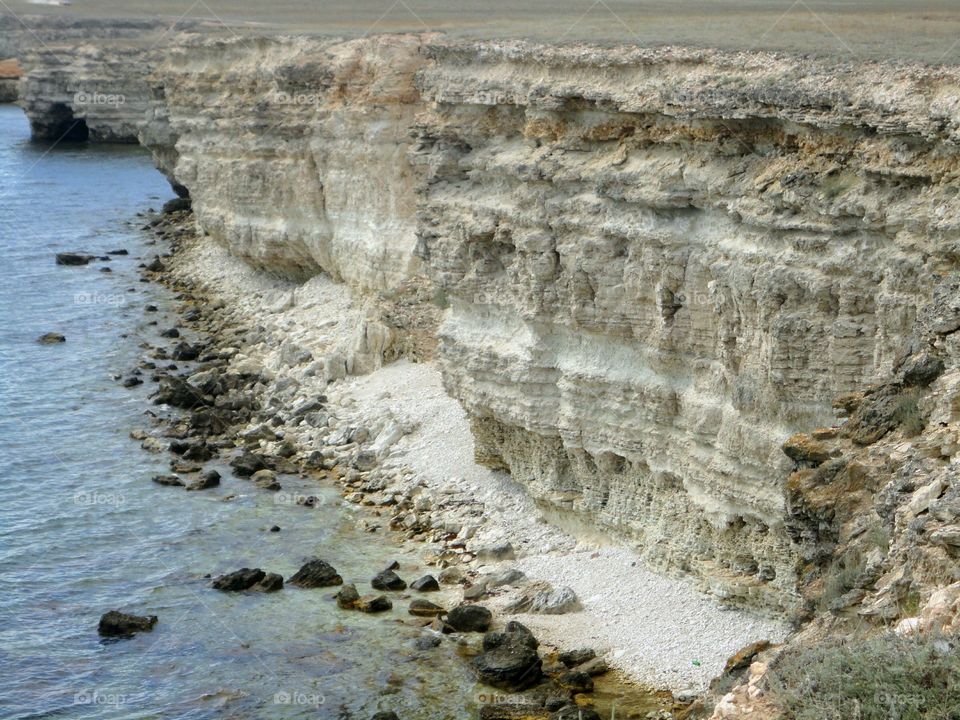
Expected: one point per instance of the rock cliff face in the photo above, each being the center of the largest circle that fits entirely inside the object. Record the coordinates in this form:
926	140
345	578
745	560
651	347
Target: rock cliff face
295	151
658	264
661	264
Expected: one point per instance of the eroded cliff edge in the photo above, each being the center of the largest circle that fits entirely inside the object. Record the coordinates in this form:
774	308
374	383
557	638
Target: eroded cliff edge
658	265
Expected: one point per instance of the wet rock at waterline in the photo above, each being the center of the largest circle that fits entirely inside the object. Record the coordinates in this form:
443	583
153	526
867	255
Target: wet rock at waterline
169	480
572	658
242	579
425	608
469	618
246	464
210	479
347	597
428	583
118	624
374	603
511	664
385	715
388	580
74	259
316	573
266	480
51	338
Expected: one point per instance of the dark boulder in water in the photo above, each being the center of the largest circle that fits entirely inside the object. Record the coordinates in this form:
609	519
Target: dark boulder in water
470	618
388	580
210	479
428	583
316	573
246	464
171	480
119	624
74	258
51	338
242	579
270	583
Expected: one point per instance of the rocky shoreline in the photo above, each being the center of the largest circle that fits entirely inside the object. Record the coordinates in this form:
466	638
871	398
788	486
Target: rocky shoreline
211	409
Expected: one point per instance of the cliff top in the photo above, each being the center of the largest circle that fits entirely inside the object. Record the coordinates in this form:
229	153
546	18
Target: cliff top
914	30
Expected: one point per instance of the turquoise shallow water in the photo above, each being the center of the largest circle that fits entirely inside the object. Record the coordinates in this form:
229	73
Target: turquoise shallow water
83	530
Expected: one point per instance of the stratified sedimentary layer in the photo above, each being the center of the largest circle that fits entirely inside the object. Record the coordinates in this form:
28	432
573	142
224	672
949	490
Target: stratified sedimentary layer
294	150
658	264
662	263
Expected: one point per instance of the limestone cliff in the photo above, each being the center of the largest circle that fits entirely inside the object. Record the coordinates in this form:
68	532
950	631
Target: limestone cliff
658	264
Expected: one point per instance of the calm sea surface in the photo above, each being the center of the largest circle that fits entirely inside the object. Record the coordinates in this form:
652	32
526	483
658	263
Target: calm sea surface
84	530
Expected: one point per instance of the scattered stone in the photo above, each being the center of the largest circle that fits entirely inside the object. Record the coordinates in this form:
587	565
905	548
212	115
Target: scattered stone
266	480
171	480
425	608
51	338
184	351
427	642
270	583
239	580
509	661
118	624
499	551
275	528
511	576
209	479
469	618
451	576
556	602
131	381
597	666
118	251
347	597
246	464
385	715
572	658
74	258
428	583
575	681
388	580
316	573
475	591
170	333
374	603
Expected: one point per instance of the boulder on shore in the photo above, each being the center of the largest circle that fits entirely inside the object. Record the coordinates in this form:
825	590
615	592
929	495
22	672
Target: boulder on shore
118	624
428	583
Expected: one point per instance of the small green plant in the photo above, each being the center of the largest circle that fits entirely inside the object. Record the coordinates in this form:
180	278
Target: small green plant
883	678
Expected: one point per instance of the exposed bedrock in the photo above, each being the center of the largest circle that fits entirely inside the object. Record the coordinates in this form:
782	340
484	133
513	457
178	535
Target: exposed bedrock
659	264
662	263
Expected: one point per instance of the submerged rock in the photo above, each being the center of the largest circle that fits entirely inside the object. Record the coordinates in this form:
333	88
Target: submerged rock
51	338
314	574
425	608
170	480
470	618
118	624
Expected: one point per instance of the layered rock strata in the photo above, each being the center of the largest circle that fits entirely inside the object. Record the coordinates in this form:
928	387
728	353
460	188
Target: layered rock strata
658	264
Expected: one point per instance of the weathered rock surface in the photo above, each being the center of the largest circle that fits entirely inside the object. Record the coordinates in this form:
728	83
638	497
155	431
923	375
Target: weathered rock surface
118	624
314	574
